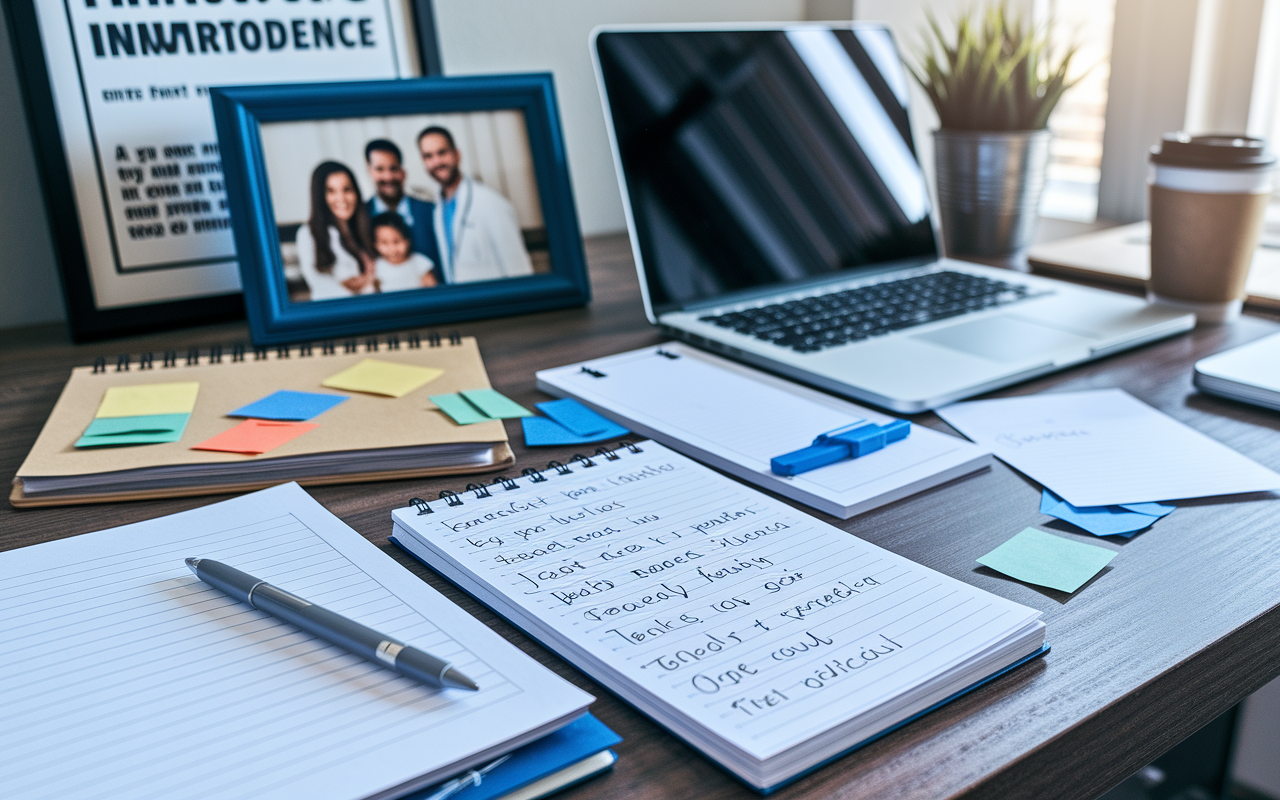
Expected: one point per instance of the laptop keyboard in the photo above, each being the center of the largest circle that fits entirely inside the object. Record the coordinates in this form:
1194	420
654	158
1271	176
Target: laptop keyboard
812	323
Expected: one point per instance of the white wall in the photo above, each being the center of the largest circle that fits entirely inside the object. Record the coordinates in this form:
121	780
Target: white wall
489	36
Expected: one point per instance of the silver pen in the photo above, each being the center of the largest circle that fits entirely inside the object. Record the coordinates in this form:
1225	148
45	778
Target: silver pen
333	628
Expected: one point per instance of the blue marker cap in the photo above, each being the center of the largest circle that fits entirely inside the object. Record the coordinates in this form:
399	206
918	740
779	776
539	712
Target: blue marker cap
852	441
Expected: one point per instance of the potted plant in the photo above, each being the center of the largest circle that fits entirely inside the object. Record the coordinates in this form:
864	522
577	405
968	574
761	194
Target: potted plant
993	86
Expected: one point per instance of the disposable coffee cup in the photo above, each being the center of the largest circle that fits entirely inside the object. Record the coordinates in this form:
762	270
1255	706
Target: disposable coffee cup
1208	195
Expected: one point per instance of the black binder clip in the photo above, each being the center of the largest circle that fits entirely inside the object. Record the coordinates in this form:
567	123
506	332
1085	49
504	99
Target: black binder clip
852	441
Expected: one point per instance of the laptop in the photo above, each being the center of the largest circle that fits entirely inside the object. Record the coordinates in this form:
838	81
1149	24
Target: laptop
779	215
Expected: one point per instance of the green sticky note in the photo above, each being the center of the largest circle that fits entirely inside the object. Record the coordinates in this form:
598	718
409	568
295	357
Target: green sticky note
140	429
495	405
1034	556
457	407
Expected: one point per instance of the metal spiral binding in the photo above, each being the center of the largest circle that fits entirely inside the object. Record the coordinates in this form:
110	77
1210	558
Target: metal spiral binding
532	474
328	347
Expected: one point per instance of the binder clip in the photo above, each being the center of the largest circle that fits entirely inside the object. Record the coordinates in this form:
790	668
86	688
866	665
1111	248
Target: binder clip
851	441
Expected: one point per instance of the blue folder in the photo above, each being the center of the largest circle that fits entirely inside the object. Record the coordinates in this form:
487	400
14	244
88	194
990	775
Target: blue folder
580	739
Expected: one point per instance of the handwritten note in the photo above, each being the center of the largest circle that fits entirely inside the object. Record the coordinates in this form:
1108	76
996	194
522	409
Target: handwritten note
1104	447
757	622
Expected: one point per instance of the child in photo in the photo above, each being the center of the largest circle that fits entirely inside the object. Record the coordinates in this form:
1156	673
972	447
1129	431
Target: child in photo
398	267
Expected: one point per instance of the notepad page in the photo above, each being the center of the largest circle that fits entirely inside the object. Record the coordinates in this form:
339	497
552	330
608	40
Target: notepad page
748	417
763	625
126	677
1105	447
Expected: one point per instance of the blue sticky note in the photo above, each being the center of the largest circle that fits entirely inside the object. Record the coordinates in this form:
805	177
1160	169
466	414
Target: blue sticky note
291	406
543	432
576	417
1104	520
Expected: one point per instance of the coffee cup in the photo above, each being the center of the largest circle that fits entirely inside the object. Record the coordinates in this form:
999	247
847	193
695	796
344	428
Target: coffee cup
1208	196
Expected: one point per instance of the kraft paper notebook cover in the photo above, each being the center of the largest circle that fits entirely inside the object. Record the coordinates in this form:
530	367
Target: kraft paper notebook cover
365	438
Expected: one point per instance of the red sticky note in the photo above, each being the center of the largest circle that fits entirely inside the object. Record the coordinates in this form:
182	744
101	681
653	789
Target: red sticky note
256	436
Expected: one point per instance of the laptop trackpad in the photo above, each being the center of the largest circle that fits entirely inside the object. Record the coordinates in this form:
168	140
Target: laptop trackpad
1006	339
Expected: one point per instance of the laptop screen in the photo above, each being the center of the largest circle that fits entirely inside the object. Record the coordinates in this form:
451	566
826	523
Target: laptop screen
757	158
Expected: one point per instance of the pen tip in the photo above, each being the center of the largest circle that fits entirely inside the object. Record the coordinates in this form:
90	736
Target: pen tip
192	563
454	679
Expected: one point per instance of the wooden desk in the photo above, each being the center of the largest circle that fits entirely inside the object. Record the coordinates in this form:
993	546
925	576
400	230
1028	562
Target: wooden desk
1181	626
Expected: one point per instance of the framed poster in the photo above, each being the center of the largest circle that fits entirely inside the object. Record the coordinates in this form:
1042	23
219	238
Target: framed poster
117	96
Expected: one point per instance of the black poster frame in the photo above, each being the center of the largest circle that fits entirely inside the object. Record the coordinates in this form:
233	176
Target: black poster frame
85	320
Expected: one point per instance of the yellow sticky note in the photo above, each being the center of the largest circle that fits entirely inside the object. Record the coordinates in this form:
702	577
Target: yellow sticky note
382	377
152	398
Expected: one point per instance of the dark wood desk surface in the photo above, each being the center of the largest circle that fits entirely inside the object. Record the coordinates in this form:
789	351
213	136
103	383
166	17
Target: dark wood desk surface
1183	624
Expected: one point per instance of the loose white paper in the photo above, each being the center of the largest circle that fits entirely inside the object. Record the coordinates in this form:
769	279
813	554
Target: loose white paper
1104	447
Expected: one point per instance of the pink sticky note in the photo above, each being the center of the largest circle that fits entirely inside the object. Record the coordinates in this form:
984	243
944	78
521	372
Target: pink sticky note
256	436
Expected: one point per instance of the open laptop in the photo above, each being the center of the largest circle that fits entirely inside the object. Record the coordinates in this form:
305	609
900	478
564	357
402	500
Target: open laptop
778	214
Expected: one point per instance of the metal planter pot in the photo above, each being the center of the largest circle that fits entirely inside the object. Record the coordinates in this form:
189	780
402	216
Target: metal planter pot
989	186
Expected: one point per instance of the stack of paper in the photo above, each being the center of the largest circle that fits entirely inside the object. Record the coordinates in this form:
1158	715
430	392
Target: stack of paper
1105	448
1106	460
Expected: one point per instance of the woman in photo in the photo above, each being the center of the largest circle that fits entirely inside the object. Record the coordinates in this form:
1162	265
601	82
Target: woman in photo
335	246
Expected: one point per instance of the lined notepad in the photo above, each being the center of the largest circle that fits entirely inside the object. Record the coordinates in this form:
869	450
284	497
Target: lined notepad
766	638
126	677
737	418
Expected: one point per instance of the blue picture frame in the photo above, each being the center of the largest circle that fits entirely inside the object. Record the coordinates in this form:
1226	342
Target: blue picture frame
239	111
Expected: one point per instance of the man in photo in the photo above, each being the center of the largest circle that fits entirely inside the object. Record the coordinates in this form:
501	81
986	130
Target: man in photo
385	165
476	228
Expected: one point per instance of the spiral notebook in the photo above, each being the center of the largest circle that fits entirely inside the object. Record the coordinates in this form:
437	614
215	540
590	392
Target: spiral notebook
364	438
765	638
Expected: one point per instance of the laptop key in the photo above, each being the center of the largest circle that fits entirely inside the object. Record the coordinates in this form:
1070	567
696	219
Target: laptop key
809	324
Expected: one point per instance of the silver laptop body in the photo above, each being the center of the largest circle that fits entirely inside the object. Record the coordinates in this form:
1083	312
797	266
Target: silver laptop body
776	205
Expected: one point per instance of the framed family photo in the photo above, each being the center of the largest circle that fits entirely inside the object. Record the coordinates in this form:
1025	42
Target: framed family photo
365	206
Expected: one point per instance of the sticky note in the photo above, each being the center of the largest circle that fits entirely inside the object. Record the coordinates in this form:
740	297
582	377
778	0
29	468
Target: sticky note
1125	520
149	399
457	407
1034	556
575	416
143	429
256	436
544	432
382	377
495	405
286	405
